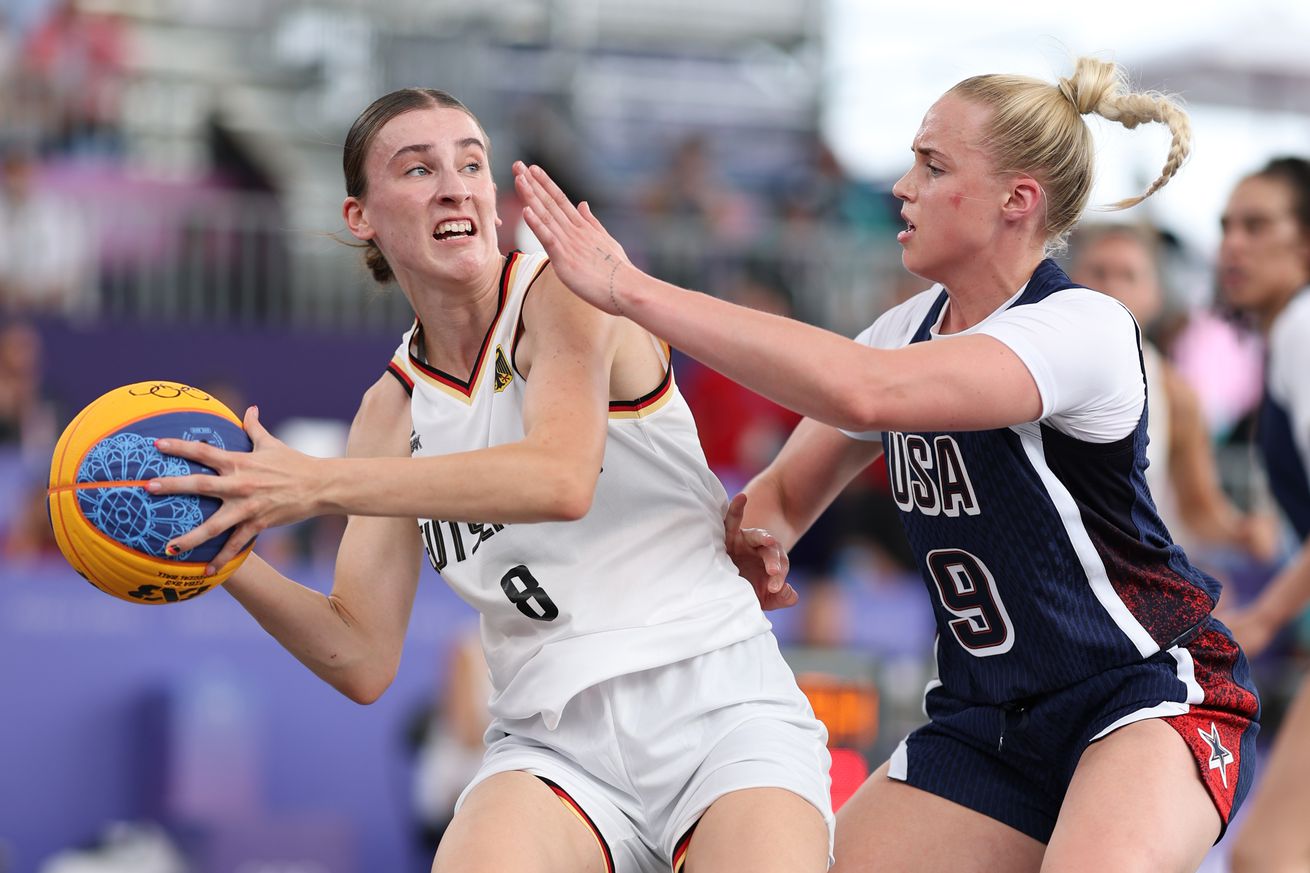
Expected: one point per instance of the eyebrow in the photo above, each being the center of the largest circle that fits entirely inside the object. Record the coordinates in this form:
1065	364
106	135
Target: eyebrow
926	151
426	148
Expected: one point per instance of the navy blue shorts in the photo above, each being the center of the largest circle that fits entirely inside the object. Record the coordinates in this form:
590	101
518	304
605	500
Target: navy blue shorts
1014	762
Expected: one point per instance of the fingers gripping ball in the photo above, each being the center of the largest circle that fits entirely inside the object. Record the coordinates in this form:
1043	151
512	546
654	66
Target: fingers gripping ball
107	525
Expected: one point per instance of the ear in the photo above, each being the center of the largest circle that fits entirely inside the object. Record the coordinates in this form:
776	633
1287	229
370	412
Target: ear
352	210
1024	198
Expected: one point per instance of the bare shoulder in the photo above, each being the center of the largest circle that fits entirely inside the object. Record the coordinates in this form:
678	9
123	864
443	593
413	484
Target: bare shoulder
383	423
549	301
554	318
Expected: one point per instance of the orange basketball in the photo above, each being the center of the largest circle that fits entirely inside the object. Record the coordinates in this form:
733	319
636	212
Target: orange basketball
109	527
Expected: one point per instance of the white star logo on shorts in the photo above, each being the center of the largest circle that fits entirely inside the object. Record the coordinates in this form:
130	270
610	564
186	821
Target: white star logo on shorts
1220	757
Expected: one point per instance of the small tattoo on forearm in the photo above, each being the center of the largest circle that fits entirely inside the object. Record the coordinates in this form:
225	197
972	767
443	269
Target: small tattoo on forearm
613	270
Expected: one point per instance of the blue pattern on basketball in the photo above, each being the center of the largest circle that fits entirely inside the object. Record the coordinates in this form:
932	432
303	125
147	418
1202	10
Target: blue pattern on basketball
131	515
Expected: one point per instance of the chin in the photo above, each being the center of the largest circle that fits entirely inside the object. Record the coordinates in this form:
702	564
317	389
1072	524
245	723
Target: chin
918	269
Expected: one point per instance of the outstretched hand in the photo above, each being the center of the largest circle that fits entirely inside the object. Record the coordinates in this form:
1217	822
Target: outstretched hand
759	557
587	259
1252	631
268	486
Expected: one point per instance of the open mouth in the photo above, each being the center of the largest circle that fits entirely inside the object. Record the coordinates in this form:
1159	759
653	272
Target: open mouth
454	229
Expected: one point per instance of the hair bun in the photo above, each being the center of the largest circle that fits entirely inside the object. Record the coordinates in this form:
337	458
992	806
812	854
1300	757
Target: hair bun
1092	82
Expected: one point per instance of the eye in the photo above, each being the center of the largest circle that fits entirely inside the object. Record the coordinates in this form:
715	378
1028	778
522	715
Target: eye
418	170
934	170
473	166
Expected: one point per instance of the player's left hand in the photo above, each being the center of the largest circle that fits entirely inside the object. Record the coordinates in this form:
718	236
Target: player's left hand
587	259
759	557
1261	536
1250	628
262	488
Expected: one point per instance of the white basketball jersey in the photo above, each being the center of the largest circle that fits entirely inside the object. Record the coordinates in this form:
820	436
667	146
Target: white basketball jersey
641	581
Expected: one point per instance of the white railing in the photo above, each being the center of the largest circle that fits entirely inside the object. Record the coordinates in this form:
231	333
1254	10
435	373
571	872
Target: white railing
236	258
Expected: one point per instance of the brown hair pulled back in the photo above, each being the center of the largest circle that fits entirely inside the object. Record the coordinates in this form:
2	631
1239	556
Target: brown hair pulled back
361	136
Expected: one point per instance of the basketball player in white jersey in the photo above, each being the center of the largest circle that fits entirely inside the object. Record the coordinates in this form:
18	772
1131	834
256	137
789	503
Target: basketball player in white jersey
1088	712
643	717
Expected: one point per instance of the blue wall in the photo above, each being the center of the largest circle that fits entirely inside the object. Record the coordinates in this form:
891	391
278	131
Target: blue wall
287	373
191	714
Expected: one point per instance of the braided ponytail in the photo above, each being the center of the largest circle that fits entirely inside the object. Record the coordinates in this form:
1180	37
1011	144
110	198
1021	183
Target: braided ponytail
1099	87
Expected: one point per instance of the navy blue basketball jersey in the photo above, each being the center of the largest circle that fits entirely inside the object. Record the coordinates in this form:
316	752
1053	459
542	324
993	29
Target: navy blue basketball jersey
1040	545
1283	430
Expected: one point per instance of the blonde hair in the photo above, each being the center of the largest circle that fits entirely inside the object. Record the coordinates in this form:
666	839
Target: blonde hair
1036	128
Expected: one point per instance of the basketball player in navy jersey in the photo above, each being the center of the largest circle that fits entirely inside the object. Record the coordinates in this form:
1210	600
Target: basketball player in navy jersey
643	718
1088	713
1264	271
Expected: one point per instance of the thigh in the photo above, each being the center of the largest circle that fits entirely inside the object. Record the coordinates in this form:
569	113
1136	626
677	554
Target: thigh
742	832
514	821
746	732
892	827
1274	835
1136	803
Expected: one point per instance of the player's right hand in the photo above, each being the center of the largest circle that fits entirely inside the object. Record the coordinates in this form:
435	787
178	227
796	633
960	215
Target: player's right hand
270	486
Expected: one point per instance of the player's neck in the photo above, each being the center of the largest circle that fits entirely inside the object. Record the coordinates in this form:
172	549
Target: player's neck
455	321
980	292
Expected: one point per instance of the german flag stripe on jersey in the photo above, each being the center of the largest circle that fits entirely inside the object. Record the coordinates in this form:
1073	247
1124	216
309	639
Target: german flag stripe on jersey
397	369
585	819
644	406
452	385
680	850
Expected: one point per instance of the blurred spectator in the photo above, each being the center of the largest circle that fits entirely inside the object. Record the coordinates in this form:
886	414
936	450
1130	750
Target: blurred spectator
740	431
45	252
825	615
24	114
27	435
243	259
821	191
545	135
138	846
823	241
1123	261
26	417
8	65
696	218
26	534
78	57
450	742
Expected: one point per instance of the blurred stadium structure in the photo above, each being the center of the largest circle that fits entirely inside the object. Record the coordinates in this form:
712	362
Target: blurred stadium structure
227	195
207	211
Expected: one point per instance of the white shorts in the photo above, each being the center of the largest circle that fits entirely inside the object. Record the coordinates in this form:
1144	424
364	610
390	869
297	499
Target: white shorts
644	755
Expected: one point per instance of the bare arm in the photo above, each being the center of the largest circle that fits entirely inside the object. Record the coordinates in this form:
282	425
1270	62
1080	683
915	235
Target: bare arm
351	638
1202	503
957	383
466	697
814	466
1281	600
549	475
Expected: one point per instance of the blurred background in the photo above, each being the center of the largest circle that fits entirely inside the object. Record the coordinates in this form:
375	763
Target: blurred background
170	193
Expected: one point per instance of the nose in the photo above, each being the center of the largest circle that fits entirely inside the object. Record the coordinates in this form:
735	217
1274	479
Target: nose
1230	241
452	188
901	190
